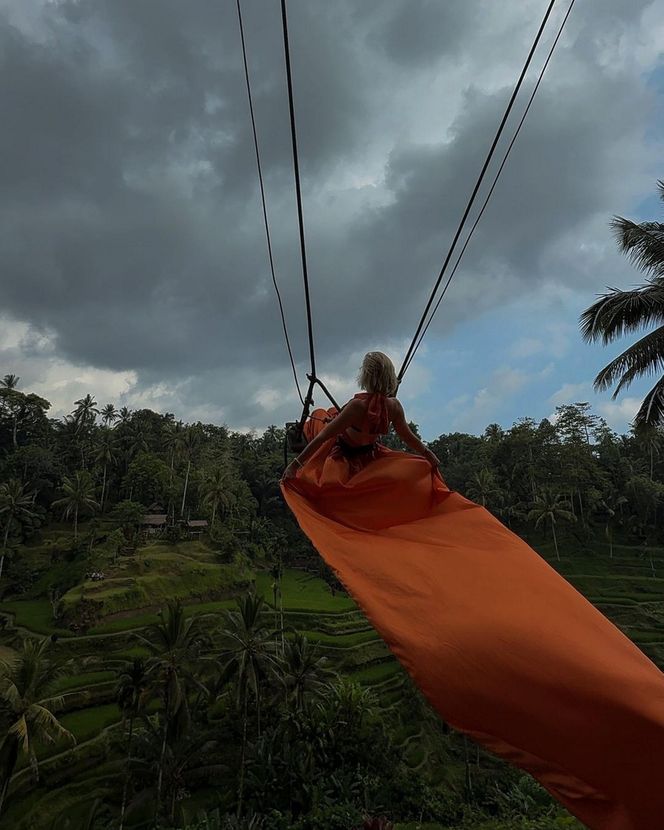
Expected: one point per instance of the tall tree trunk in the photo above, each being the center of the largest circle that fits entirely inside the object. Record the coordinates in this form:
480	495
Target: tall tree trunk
76	523
240	787
276	606
186	484
8	757
214	513
555	540
103	489
610	535
4	545
14	430
160	776
281	614
468	781
125	786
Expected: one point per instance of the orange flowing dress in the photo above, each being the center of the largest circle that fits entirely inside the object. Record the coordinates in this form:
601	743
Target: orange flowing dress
504	648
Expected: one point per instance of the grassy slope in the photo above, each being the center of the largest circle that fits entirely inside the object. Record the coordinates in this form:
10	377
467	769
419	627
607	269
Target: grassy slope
623	587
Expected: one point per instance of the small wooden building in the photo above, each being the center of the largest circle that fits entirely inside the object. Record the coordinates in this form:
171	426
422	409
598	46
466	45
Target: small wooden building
195	527
154	523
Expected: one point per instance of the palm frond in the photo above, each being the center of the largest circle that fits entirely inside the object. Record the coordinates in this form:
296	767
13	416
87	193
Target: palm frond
651	412
645	357
621	312
643	243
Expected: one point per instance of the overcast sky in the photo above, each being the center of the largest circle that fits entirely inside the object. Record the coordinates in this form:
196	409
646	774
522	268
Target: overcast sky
133	262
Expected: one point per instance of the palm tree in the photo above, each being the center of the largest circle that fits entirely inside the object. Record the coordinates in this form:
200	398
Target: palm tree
15	506
215	492
106	454
265	487
618	313
247	655
124	415
191	760
172	441
511	508
482	487
650	438
190	441
611	505
78	496
132	691
10	383
109	414
303	670
85	413
174	643
26	710
136	439
549	507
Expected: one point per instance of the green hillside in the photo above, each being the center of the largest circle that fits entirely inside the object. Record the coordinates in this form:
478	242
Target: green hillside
623	586
176	653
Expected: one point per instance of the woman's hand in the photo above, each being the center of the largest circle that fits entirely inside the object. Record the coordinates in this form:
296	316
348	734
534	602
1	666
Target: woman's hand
432	458
291	470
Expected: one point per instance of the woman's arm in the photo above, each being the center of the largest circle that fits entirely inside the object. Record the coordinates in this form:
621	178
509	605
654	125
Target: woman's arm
408	436
351	413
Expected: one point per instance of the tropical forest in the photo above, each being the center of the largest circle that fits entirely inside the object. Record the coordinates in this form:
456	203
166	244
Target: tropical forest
175	654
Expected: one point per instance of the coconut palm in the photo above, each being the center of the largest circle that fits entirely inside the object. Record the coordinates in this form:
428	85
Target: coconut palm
124	415
10	384
174	644
109	414
132	692
9	381
549	507
482	488
79	493
611	505
215	492
27	711
247	655
135	440
15	506
106	455
191	761
650	439
85	413
303	670
618	313
190	443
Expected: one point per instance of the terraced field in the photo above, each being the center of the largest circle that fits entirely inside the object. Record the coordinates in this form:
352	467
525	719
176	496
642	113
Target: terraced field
628	588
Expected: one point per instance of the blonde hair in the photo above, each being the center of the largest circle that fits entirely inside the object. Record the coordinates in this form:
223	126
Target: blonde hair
377	374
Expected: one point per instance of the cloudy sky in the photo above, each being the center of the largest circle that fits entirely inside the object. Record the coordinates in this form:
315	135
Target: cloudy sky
133	262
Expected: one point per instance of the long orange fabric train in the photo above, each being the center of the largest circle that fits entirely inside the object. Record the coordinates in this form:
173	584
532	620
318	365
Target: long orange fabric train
503	647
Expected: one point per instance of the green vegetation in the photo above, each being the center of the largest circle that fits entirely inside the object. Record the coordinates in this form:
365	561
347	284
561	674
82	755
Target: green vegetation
86	723
162	610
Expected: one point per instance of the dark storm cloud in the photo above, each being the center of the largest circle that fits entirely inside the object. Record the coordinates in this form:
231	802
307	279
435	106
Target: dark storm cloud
420	32
130	221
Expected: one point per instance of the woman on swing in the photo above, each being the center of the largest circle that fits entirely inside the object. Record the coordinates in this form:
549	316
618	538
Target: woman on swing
349	476
504	648
358	426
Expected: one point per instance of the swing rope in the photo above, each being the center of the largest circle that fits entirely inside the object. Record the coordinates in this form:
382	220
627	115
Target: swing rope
493	185
300	218
263	202
478	184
